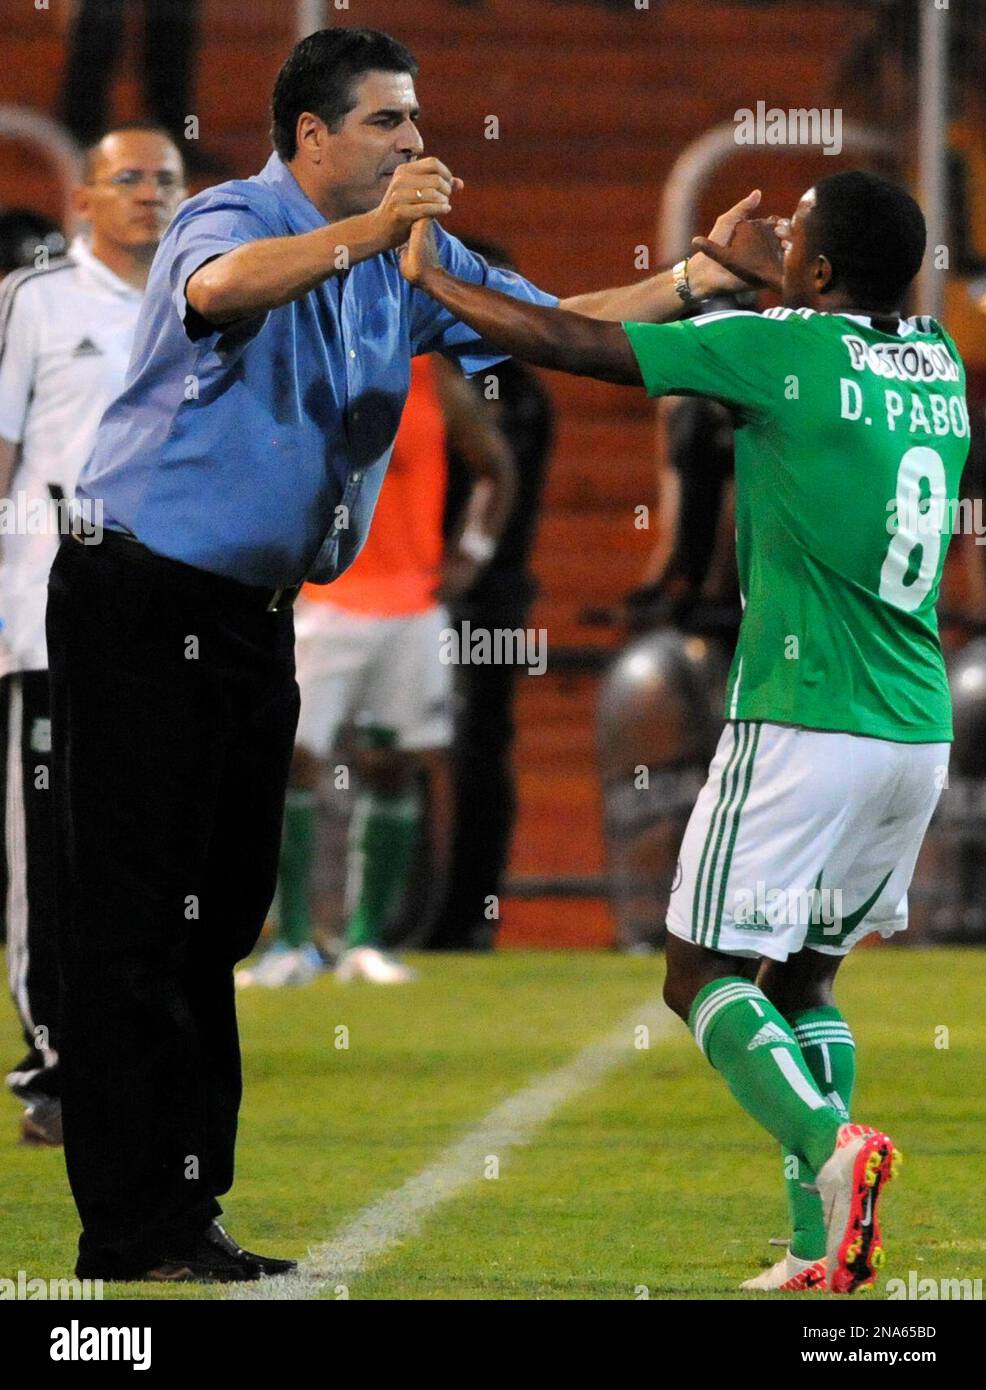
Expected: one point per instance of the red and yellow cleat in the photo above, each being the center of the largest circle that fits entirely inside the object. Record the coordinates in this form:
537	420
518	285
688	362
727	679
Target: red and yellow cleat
850	1184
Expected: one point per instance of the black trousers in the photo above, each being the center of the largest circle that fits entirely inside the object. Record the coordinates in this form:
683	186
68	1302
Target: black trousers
170	32
484	792
174	708
30	880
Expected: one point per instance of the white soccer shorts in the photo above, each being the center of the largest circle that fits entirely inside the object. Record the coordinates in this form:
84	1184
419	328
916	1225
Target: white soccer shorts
803	838
384	672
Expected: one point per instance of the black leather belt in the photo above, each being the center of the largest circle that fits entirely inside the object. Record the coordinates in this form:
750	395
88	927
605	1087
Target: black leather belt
128	547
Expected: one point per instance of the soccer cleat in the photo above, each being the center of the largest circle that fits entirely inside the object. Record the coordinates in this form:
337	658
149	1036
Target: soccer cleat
379	968
282	965
790	1275
850	1183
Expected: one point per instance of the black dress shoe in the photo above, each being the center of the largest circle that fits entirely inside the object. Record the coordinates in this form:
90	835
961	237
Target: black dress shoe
215	1258
269	1264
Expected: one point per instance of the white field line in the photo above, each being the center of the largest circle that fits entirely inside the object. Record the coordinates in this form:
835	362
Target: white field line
401	1213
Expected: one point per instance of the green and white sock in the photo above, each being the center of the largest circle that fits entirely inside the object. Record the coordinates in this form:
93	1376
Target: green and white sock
830	1054
382	837
752	1045
297	855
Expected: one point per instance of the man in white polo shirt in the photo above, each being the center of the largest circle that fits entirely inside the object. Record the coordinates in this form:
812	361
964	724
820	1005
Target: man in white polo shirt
66	331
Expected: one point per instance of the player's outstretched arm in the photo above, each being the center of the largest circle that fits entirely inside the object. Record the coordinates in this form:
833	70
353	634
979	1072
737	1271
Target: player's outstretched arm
556	338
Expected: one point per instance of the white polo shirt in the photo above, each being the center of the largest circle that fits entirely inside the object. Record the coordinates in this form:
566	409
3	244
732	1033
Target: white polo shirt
66	333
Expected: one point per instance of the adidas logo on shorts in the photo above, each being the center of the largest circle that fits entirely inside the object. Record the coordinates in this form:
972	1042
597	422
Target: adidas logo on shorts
755	922
769	1033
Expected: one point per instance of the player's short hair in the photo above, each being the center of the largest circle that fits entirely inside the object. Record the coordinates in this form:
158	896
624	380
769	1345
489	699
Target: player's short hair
319	74
873	234
91	151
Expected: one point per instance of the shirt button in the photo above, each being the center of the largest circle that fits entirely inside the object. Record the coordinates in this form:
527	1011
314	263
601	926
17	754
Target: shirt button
352	352
356	476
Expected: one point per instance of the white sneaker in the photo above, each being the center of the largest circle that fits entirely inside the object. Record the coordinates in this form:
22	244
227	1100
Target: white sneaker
379	968
850	1183
282	965
790	1275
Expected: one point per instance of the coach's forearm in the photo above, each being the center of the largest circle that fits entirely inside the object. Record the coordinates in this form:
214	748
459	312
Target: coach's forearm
653	300
263	275
557	338
648	301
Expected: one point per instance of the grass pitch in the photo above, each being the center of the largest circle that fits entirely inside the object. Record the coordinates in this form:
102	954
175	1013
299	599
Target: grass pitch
650	1184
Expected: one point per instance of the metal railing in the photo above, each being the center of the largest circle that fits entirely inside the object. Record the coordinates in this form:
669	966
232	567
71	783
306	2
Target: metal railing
698	161
55	146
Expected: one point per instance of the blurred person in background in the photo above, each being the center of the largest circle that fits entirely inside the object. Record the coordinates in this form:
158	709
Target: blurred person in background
692	582
484	804
66	331
368	652
27	238
167	57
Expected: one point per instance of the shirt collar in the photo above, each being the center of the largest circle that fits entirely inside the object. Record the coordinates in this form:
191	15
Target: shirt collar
278	176
904	329
82	253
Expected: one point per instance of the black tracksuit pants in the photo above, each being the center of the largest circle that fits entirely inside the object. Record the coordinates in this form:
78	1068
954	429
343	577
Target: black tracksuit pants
174	708
29	891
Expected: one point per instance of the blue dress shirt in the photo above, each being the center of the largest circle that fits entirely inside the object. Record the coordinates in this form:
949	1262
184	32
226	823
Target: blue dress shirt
258	451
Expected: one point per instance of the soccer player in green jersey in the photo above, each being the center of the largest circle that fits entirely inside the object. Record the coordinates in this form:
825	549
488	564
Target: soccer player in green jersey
852	432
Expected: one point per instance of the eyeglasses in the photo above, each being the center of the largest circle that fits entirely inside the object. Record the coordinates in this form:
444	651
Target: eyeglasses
133	178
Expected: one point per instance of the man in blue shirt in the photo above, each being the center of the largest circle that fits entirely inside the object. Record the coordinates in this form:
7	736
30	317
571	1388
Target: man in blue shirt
245	454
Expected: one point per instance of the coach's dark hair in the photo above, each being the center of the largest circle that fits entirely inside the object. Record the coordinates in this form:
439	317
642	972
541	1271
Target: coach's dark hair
319	73
873	234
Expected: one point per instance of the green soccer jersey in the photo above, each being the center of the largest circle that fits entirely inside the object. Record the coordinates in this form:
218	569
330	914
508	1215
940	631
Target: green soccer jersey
850	443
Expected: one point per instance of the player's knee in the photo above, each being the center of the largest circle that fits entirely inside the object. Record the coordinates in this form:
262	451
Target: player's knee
793	986
679	990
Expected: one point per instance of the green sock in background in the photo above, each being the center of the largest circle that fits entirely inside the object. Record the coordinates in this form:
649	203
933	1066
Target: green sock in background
294	888
382	838
752	1045
830	1054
